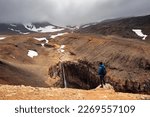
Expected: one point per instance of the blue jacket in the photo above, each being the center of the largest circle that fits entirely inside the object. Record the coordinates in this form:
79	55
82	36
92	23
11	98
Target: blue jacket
101	69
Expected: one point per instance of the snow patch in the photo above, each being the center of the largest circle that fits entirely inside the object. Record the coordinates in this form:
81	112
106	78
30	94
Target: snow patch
32	53
42	29
1	38
42	39
18	31
13	25
59	34
85	26
42	44
11	29
25	33
61	49
140	33
62	46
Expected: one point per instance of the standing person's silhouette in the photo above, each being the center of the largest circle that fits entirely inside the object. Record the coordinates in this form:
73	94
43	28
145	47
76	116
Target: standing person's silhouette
102	73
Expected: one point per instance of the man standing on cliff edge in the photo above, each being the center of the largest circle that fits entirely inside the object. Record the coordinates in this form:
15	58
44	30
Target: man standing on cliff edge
102	73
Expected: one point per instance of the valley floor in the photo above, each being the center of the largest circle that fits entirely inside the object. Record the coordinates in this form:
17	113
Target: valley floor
8	92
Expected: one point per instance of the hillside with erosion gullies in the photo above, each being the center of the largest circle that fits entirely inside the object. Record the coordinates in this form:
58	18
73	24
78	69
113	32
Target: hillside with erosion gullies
124	27
64	65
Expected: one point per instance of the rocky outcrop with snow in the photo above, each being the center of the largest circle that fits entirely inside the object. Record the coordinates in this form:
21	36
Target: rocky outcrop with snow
42	29
28	28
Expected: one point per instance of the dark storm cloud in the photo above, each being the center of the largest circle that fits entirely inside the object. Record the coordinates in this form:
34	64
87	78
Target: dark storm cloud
70	11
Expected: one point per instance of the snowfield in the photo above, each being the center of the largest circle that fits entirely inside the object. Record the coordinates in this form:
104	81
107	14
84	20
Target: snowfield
140	33
1	38
32	53
42	29
59	34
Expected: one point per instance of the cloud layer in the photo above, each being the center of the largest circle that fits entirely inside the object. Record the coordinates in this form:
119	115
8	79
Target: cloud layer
69	12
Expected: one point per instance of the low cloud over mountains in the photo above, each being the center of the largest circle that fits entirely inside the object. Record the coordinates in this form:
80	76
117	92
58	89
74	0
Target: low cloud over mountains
69	12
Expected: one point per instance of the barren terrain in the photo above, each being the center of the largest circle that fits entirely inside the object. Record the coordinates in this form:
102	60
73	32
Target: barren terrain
8	92
23	77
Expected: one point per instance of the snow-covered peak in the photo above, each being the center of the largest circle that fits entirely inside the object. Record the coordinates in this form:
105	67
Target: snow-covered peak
45	29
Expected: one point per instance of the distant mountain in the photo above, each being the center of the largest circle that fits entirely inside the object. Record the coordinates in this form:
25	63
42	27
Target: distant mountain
12	29
43	27
121	26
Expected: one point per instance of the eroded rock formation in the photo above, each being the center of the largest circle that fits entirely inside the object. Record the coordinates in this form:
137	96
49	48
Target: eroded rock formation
83	75
79	74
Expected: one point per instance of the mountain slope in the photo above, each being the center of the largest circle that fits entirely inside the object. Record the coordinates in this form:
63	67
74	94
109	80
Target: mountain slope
12	29
122	27
14	75
127	60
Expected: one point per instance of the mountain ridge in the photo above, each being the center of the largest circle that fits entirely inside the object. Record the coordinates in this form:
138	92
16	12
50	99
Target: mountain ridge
26	28
121	27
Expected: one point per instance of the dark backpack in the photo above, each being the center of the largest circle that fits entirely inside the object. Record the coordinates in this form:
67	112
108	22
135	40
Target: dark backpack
104	71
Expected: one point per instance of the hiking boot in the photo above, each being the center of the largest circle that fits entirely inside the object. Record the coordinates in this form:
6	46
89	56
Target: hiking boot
101	86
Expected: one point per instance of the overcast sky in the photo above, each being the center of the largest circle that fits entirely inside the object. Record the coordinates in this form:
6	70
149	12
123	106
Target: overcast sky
69	12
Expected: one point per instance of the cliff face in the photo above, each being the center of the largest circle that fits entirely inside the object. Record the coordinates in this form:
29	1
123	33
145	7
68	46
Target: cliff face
79	75
83	75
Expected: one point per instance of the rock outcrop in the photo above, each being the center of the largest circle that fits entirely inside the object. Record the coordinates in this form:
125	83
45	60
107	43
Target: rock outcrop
79	75
83	75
